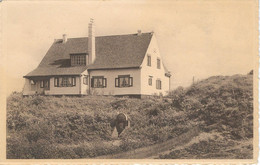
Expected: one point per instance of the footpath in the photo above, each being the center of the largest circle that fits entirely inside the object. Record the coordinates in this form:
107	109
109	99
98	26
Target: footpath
156	149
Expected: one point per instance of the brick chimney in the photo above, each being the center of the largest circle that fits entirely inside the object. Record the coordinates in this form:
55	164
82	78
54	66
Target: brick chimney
64	38
91	41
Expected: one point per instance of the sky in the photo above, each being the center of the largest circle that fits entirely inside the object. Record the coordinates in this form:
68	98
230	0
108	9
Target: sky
196	38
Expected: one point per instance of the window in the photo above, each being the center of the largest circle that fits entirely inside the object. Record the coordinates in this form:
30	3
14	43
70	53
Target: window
149	60
85	80
98	82
158	63
78	59
65	81
44	84
158	84
124	81
150	80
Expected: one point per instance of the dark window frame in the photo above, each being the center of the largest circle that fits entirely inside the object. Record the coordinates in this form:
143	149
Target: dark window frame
101	79
124	77
79	59
63	81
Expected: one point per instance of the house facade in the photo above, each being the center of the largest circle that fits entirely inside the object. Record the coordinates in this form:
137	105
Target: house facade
120	65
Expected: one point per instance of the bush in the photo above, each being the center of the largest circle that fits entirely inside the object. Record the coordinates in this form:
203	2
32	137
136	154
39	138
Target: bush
80	127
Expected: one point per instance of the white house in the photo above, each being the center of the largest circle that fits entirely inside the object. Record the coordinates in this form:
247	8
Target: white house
104	65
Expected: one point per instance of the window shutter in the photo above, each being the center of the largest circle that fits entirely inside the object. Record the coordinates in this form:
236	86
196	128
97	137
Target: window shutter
130	81
92	82
104	82
116	82
74	81
55	82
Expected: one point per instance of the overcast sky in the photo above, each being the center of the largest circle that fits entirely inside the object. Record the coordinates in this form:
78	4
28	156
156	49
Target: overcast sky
195	38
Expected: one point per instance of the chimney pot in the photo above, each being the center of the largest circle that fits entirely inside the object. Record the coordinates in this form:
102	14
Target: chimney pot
64	40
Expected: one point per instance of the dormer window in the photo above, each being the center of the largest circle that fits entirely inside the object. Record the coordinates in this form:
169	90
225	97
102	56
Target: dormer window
79	59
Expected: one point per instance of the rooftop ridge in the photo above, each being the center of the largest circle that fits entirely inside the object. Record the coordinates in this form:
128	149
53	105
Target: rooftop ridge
109	35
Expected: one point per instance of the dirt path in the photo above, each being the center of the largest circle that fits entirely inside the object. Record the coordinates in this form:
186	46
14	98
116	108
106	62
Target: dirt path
154	150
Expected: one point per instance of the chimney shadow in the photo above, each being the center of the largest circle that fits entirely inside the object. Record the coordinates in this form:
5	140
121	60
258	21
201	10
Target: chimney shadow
64	63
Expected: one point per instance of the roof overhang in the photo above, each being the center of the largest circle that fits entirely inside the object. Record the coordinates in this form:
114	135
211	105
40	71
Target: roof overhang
137	67
48	76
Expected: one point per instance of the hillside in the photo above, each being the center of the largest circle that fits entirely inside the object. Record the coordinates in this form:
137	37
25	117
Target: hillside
79	127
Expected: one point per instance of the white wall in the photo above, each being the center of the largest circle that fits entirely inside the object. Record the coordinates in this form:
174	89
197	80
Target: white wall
110	75
84	87
152	70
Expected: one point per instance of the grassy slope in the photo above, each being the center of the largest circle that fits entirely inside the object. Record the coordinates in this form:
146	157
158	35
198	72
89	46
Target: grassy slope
79	127
225	106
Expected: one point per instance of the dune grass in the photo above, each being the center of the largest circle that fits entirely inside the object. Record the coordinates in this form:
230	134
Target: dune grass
79	127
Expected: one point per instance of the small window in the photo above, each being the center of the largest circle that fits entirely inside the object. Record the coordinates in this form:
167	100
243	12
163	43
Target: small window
124	81
158	64
150	80
85	80
158	84
149	60
98	82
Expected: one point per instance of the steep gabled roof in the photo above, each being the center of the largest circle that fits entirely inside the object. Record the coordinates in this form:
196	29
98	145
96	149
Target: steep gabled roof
117	51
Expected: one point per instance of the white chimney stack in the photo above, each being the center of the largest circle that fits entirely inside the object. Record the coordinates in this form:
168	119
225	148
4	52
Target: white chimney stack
64	40
91	41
